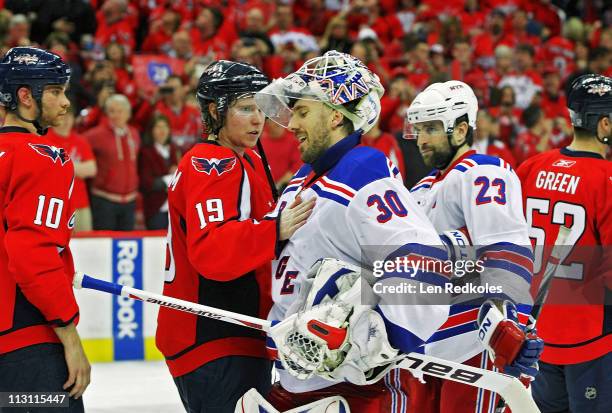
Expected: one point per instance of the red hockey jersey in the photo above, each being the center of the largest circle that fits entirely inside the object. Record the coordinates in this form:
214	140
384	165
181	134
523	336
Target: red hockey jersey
36	268
219	253
572	188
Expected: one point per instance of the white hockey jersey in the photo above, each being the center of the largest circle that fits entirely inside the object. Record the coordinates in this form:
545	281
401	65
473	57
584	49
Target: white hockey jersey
363	213
481	194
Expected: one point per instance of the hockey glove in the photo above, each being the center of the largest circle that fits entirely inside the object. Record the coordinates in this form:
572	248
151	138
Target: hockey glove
511	350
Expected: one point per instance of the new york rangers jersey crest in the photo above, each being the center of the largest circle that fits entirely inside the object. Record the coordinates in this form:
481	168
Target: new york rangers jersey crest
207	165
52	152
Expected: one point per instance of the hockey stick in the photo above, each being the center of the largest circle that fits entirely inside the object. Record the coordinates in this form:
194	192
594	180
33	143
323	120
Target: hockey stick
508	387
85	281
551	267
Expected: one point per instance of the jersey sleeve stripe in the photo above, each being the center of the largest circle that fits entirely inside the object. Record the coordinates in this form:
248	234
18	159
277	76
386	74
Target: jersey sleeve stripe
419	249
509	256
510	267
331	196
400	337
338	186
452	332
507	246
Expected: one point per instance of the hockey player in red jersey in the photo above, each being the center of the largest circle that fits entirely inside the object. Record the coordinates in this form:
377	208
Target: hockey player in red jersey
479	195
220	246
572	186
40	349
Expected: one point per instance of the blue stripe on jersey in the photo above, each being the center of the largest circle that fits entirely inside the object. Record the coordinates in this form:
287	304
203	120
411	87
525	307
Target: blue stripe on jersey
420	249
460	168
506	246
454	331
510	267
359	167
330	195
291	189
395	170
270	343
330	288
481	159
425	185
399	337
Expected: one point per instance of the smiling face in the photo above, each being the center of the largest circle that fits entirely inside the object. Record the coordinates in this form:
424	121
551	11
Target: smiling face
310	121
55	104
243	125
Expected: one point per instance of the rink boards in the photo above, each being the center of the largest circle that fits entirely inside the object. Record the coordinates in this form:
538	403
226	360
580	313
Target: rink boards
117	328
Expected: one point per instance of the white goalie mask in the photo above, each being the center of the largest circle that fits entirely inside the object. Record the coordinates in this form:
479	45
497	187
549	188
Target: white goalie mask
334	79
445	102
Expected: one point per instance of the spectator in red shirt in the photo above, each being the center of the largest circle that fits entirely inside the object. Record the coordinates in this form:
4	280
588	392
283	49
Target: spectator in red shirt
185	120
508	116
115	24
84	167
536	138
553	100
207	34
157	162
387	144
115	187
124	82
485	141
518	33
282	150
159	39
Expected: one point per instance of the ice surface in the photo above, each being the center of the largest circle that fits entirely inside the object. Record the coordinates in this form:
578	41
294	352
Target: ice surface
132	387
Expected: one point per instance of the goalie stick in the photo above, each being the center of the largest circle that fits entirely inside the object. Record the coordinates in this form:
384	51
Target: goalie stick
508	387
551	267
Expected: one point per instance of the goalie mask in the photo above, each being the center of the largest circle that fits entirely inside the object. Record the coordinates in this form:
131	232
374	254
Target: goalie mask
336	79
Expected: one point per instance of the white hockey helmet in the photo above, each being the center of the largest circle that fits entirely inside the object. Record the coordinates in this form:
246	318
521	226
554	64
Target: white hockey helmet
445	102
334	79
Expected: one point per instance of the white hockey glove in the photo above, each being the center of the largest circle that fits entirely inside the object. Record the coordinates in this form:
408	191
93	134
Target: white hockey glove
333	335
370	355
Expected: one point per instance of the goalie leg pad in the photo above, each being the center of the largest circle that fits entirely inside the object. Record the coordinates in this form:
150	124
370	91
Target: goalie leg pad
253	402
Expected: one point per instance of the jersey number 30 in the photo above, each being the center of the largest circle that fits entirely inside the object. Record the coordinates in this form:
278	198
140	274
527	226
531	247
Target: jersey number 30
388	205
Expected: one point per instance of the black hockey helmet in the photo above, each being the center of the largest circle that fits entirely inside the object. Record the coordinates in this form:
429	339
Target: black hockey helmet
223	82
31	67
590	99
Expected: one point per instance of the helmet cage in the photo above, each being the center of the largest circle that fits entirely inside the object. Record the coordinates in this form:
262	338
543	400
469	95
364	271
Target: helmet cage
334	79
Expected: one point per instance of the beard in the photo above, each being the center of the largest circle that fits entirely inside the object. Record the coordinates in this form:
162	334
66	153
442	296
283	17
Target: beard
439	157
317	143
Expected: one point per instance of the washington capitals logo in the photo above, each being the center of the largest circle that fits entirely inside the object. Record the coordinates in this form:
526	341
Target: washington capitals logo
52	152
207	165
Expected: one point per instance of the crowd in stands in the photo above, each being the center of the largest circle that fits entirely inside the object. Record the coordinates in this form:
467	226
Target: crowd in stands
126	139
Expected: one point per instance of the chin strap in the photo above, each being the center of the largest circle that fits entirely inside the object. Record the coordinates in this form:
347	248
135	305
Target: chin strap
36	122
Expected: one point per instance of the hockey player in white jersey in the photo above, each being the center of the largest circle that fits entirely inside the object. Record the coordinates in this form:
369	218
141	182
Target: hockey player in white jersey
363	214
477	195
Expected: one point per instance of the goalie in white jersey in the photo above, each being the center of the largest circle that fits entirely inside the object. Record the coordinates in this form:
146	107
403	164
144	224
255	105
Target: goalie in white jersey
360	202
480	196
